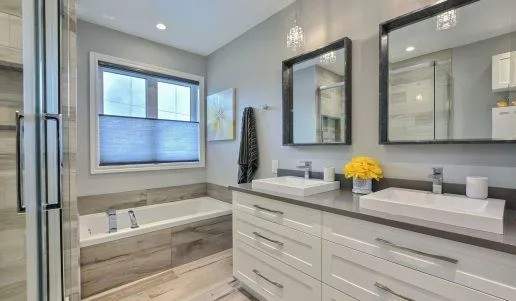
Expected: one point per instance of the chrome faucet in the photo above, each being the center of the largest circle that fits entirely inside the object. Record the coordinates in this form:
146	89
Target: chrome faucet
307	166
132	217
111	213
437	180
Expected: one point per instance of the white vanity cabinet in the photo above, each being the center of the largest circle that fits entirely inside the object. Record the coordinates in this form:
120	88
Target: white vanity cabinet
504	72
283	256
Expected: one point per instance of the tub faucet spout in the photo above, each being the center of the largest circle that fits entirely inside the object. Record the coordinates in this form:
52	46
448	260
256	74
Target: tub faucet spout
132	217
111	213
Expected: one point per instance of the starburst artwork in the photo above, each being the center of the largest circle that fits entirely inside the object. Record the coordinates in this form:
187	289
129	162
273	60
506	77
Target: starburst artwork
221	115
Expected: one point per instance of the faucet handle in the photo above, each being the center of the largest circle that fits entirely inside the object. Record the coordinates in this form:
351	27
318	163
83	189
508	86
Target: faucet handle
437	170
304	163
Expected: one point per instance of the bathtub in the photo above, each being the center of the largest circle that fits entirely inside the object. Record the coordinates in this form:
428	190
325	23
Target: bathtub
94	227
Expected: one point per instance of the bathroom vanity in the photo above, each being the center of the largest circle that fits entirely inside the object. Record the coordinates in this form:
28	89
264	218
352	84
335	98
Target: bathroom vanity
326	247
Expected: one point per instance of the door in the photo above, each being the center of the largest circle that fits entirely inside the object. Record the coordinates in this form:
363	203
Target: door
39	152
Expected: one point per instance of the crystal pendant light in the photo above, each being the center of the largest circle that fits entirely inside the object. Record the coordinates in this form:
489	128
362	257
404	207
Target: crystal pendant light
447	20
328	58
295	37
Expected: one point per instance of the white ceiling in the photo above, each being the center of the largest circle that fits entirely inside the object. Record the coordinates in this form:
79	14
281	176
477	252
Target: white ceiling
479	21
198	26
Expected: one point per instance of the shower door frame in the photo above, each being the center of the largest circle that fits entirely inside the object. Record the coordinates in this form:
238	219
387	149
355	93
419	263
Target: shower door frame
41	194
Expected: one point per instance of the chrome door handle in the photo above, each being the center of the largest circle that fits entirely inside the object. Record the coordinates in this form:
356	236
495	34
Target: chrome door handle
279	243
276	284
390	291
268	210
434	256
59	153
20	204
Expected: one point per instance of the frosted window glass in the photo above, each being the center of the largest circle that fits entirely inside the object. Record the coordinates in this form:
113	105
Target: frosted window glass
173	102
124	95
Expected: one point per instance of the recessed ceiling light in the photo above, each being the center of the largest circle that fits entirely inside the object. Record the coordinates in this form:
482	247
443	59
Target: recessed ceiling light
161	26
410	48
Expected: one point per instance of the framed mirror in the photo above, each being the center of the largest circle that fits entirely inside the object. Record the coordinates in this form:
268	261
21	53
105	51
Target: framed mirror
448	74
317	96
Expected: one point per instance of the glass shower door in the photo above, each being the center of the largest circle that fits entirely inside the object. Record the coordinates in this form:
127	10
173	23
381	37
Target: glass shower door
31	156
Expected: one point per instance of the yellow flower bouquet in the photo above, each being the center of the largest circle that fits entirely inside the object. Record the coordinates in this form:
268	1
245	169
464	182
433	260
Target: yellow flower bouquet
363	169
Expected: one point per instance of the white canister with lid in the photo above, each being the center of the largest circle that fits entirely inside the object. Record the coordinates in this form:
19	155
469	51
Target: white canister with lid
477	187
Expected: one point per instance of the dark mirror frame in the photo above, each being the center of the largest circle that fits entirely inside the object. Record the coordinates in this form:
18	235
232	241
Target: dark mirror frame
288	102
394	24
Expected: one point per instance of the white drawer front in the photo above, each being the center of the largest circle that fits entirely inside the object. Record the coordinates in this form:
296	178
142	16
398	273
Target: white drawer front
272	279
368	278
331	294
296	217
296	248
482	269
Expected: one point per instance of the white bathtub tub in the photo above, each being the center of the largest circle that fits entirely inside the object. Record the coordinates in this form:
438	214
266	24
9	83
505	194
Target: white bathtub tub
94	227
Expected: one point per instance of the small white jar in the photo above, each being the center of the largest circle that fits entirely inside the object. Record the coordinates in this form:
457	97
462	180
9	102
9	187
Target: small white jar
329	174
477	187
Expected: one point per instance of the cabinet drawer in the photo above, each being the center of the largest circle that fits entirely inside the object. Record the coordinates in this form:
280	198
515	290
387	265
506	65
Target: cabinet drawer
296	217
298	249
367	277
482	269
272	279
331	294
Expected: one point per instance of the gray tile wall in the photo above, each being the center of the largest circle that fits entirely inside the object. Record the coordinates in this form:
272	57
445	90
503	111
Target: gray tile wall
131	199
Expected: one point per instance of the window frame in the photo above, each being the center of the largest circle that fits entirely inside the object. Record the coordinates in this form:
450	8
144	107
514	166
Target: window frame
96	103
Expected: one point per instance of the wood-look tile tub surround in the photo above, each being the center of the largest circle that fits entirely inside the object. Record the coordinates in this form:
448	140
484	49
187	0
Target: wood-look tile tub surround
111	264
130	199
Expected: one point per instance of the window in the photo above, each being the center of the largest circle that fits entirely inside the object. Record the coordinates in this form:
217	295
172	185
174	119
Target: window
144	117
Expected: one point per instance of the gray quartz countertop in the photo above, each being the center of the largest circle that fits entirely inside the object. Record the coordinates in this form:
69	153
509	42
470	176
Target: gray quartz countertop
344	202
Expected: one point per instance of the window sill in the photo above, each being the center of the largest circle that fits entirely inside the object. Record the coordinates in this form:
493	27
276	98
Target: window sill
144	167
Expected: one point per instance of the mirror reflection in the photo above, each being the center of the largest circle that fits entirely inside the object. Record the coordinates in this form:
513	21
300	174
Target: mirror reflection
319	99
453	76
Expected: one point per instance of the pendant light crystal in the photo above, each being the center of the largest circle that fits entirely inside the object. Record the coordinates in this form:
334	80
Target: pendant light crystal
295	37
447	20
328	58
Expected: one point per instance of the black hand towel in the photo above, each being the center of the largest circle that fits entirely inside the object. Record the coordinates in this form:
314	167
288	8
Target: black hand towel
248	155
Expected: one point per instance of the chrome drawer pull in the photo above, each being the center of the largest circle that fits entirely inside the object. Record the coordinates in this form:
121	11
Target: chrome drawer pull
268	210
389	291
279	243
439	257
276	284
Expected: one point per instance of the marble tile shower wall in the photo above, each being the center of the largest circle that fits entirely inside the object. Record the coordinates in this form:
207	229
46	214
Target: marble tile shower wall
12	224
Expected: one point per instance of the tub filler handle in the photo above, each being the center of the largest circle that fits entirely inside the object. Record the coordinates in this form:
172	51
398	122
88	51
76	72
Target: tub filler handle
112	223
132	217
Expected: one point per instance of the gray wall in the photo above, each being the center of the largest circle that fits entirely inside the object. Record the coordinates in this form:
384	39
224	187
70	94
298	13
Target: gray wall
473	94
252	64
106	41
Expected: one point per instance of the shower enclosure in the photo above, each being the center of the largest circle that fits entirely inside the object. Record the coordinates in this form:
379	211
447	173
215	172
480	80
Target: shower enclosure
37	203
420	106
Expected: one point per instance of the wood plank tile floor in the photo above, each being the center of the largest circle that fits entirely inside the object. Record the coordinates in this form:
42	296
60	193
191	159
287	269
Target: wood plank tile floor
207	279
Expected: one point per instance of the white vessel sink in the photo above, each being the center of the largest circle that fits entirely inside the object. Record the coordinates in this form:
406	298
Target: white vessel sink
295	185
457	210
